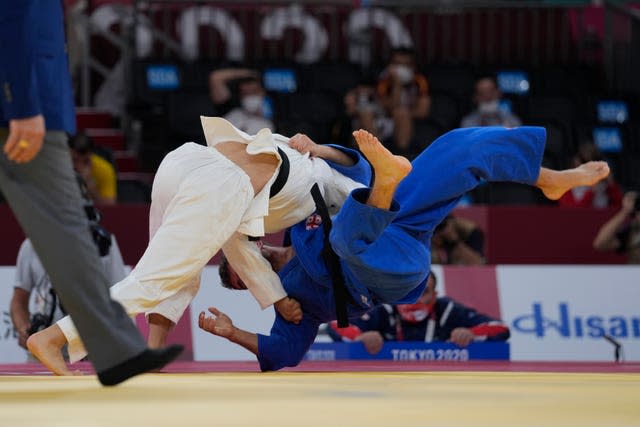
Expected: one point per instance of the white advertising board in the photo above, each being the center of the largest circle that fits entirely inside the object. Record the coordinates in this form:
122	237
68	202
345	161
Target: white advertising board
564	312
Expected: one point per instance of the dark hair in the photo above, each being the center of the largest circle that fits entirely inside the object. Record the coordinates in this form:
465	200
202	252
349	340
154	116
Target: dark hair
404	50
487	76
81	143
223	272
245	80
435	278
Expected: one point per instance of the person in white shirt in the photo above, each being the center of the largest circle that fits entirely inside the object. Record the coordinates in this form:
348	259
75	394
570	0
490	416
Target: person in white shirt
35	305
249	113
209	198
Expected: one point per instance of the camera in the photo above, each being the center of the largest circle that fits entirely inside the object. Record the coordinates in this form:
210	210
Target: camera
39	322
101	237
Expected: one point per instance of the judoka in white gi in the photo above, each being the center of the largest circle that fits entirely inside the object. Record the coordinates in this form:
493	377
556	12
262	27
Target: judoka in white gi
209	198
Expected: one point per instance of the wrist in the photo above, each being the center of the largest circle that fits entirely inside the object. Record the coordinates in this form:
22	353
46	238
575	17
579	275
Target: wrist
233	336
318	151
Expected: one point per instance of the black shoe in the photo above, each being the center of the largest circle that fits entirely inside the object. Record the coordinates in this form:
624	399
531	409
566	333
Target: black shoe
146	361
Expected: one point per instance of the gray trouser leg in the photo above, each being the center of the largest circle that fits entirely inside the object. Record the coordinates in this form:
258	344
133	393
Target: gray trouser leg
45	198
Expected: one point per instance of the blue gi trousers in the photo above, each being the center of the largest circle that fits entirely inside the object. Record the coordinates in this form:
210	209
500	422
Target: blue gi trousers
388	251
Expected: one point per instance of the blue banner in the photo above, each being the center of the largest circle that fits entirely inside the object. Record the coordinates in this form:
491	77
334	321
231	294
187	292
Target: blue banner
280	80
608	139
411	351
162	77
513	82
613	111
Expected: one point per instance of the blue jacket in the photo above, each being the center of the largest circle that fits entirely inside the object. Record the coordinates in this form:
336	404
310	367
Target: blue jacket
448	315
34	70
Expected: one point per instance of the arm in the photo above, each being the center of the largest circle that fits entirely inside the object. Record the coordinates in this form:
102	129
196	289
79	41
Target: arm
304	144
222	326
219	82
20	315
461	253
19	306
606	239
285	346
473	326
254	270
258	276
389	92
19	97
422	108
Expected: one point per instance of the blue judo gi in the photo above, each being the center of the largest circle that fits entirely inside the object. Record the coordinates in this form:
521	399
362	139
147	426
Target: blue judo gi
385	254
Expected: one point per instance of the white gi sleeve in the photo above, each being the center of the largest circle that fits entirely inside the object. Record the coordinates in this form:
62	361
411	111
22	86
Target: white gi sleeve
254	270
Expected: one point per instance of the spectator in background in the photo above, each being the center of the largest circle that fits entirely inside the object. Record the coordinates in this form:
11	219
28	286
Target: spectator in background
429	319
98	174
365	112
622	232
488	112
404	95
35	305
457	241
248	113
372	329
442	319
605	193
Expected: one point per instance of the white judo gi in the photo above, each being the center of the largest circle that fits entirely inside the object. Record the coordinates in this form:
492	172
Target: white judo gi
202	202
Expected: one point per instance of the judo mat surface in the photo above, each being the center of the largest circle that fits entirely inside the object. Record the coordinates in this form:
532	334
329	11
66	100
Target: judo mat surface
330	394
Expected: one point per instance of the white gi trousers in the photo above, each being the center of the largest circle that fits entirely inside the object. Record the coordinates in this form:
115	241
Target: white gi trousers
187	226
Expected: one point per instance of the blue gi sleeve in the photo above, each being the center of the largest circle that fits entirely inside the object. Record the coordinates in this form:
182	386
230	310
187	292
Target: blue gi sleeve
287	343
18	36
359	172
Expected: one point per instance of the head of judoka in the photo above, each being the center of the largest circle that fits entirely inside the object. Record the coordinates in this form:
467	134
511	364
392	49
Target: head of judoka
278	257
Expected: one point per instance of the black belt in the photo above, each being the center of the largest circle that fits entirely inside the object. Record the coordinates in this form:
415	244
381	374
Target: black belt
340	294
278	184
283	175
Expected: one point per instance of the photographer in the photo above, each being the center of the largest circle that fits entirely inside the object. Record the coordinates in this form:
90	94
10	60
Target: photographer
457	241
622	232
34	305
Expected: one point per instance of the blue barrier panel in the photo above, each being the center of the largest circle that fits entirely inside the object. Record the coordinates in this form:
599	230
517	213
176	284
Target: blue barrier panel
410	351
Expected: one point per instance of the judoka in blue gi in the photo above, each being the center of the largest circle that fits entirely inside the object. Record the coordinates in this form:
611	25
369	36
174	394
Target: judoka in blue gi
382	234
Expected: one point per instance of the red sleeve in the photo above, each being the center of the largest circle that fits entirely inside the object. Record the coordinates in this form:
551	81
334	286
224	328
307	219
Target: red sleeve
568	200
615	195
350	332
489	330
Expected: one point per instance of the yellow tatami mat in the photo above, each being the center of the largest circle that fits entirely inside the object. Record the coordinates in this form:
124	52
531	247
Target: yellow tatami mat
281	399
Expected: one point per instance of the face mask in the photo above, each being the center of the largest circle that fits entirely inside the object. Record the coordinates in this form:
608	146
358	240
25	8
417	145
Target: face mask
403	73
252	103
488	107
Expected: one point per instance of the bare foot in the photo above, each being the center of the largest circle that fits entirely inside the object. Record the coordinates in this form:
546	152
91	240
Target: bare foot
555	183
389	169
46	345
